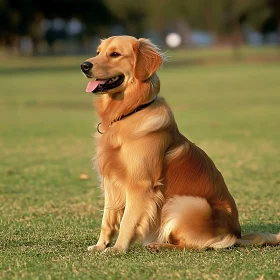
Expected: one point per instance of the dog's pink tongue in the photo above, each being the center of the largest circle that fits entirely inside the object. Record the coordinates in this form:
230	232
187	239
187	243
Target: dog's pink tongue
93	85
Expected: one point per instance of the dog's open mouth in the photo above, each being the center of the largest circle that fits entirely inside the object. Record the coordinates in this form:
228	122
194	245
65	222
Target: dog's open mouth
104	85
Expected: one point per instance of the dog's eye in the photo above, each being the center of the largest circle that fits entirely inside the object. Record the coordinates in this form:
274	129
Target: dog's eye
97	53
114	54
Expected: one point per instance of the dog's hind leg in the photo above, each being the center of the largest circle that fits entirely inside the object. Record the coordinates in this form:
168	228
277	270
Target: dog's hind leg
187	223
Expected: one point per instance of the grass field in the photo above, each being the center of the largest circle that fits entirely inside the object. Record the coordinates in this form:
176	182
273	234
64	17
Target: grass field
48	216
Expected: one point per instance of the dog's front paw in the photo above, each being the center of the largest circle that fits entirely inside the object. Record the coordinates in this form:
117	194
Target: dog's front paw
114	250
96	248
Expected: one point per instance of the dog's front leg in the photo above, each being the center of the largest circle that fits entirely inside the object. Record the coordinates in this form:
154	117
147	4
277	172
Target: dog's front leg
109	227
141	212
112	215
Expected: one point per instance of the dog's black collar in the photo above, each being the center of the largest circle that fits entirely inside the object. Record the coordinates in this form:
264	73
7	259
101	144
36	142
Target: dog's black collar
139	108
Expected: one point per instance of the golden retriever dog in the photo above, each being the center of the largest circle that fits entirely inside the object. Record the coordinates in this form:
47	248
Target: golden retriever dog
158	186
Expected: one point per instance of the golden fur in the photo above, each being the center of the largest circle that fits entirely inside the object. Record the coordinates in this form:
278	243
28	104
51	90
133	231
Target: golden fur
158	186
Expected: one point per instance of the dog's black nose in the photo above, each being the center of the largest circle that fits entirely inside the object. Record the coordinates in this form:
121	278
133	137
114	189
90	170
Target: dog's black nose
86	66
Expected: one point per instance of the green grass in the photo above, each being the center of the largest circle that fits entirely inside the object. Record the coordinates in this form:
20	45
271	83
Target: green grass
48	216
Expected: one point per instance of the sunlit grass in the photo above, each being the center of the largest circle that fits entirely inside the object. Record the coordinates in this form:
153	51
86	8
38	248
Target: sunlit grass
48	216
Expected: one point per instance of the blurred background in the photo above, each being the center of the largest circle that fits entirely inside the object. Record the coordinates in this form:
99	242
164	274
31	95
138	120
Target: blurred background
68	27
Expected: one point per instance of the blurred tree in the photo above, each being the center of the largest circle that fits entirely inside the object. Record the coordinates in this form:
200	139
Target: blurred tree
130	14
223	18
275	7
220	17
20	18
92	12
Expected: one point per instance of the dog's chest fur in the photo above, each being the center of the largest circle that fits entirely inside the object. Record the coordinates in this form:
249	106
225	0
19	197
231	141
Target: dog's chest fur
108	152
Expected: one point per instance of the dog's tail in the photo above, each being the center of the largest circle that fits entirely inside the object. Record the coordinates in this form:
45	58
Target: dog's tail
246	240
265	238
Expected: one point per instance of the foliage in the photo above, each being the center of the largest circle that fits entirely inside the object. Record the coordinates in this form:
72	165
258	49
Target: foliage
217	16
200	14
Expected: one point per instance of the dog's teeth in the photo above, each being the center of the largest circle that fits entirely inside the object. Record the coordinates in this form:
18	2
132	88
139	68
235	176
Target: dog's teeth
113	80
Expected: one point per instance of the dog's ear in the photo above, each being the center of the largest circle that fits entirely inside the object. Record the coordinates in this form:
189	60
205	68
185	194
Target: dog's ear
147	59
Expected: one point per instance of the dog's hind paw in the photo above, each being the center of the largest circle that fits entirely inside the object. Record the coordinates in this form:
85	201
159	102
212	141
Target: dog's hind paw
156	246
153	247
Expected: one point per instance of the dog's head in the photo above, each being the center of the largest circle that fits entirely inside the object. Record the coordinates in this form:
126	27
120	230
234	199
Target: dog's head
119	62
